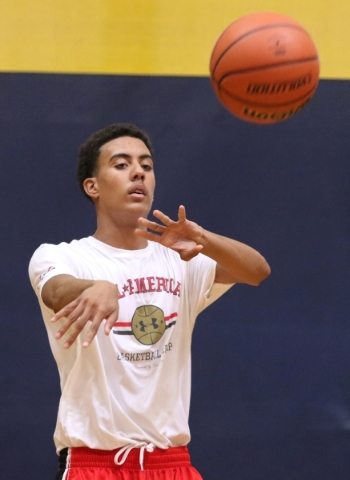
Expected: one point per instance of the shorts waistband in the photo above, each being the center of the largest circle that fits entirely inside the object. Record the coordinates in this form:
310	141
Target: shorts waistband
172	457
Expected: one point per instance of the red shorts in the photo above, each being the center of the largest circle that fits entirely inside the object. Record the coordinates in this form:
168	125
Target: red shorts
82	463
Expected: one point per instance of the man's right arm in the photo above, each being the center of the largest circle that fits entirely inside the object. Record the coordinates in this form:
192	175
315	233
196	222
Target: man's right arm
79	301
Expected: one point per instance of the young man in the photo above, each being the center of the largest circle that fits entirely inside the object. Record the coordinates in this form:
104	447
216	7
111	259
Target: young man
120	307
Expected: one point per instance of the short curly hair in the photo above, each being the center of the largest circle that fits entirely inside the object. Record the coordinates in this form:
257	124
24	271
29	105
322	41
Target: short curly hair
89	152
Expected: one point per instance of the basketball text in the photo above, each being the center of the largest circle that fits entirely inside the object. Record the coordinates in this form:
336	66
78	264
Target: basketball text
279	87
272	116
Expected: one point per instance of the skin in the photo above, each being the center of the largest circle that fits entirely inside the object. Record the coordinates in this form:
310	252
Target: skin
122	191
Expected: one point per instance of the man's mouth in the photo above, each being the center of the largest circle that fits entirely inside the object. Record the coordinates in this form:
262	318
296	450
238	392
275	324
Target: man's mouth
138	190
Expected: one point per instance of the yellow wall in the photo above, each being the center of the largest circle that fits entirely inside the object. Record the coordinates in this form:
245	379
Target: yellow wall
165	37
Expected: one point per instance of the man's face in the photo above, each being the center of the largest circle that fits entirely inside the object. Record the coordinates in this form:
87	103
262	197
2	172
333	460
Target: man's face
125	178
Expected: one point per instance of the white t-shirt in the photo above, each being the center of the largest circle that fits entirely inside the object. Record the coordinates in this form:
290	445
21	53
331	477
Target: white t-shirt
133	385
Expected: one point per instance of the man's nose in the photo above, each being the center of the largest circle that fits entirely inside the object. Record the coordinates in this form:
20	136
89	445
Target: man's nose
138	171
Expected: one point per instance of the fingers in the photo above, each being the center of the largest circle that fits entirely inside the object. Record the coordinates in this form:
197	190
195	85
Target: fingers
151	225
110	322
77	316
95	324
64	312
74	324
147	234
181	213
95	304
163	218
72	313
92	330
167	220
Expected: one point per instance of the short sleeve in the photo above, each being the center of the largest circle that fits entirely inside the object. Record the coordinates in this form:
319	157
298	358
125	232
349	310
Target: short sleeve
48	261
202	290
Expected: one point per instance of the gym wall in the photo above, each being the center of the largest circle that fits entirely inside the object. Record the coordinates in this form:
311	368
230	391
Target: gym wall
271	395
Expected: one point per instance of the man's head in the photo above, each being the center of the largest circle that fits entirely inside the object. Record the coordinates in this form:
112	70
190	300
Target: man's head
90	151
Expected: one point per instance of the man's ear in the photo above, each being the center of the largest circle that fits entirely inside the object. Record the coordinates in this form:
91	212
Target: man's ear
91	188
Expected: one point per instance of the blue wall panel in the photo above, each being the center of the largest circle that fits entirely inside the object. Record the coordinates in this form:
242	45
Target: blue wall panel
271	395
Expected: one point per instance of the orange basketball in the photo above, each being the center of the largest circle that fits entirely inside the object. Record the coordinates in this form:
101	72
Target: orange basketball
264	67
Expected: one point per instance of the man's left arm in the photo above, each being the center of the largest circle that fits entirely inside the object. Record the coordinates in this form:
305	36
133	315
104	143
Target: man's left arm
236	262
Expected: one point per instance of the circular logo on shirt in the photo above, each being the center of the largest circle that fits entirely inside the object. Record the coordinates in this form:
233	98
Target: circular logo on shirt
148	324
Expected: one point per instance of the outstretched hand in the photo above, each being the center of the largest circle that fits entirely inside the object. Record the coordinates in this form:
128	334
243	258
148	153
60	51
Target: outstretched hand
182	236
95	304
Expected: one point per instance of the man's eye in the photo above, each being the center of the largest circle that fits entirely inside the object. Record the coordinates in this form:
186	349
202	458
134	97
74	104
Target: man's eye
121	166
147	168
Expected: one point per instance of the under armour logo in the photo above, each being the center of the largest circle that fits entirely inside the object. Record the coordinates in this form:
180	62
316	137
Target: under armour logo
154	324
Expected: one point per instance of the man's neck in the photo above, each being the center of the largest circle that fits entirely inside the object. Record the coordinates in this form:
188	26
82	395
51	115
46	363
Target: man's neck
124	238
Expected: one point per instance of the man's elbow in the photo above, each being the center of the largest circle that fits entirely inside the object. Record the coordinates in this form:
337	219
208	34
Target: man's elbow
51	296
261	274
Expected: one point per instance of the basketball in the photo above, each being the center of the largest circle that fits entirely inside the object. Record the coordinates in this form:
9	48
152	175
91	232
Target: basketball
264	68
148	324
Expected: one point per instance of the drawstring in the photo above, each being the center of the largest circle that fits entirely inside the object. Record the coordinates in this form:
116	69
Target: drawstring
127	449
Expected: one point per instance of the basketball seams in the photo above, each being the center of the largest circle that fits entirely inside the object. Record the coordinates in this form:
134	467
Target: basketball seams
140	328
265	67
251	32
268	105
146	311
